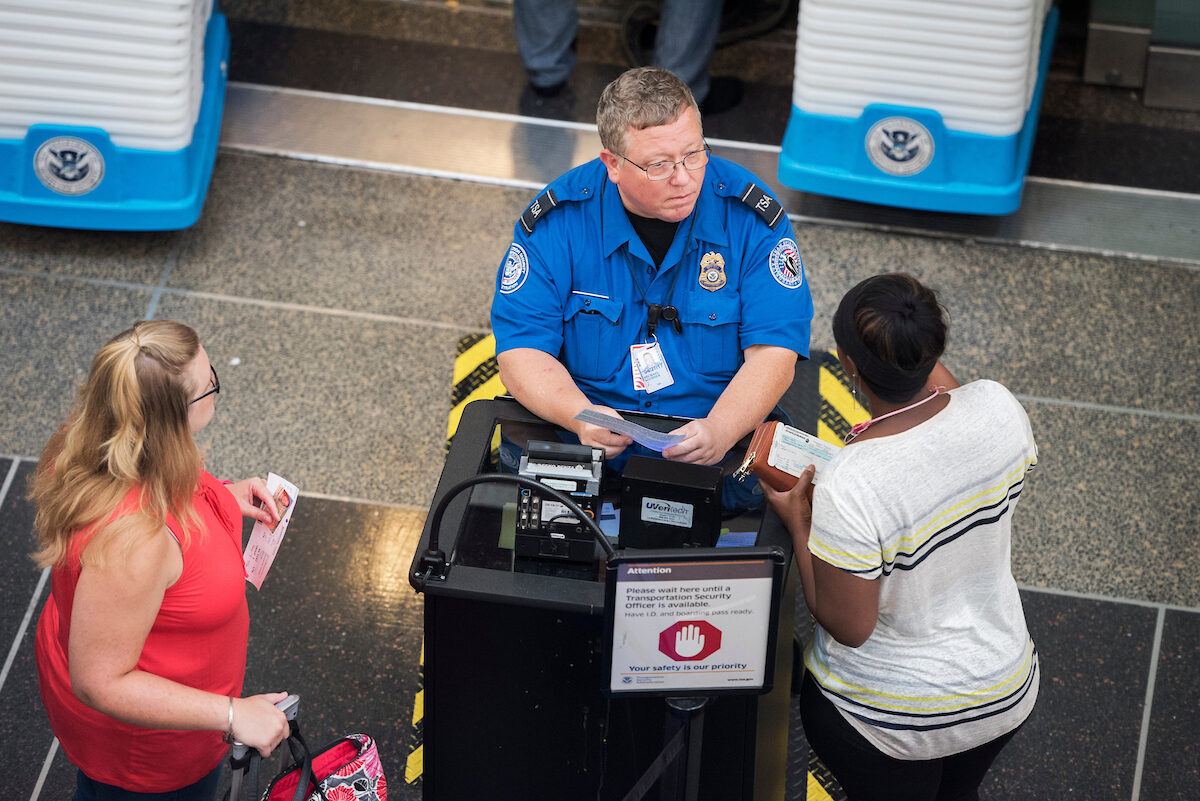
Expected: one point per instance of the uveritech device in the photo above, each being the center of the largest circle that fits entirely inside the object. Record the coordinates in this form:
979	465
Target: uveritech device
545	527
667	504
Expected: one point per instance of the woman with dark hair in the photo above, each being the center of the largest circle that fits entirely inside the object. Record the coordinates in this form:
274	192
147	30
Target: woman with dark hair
920	668
141	647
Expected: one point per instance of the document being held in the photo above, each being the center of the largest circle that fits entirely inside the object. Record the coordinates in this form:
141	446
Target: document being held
779	453
265	540
654	440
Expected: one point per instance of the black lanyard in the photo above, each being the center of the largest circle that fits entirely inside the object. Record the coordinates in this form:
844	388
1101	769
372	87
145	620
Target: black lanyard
657	311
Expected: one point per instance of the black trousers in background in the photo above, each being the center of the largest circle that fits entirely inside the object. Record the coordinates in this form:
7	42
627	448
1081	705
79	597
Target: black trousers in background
868	774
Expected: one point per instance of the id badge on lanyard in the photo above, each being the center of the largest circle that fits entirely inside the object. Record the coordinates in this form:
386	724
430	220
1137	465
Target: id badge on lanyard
650	371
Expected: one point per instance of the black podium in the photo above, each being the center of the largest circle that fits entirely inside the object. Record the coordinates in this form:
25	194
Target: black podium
514	674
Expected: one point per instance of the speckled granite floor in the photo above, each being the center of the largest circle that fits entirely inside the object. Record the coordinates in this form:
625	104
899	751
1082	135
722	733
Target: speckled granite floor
331	300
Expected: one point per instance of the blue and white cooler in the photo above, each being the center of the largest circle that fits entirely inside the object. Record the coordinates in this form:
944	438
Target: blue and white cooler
109	111
921	104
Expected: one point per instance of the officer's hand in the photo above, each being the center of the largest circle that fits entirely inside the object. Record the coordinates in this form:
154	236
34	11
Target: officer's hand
597	437
706	443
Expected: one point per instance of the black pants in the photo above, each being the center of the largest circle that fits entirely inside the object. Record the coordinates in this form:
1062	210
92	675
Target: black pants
868	774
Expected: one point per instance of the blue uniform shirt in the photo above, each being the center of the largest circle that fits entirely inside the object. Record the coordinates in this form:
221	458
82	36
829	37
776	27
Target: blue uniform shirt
579	283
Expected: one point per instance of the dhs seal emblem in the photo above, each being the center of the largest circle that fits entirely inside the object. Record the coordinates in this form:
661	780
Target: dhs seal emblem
68	165
899	146
712	271
515	270
786	267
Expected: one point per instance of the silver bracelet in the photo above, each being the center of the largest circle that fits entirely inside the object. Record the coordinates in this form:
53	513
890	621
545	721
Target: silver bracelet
228	738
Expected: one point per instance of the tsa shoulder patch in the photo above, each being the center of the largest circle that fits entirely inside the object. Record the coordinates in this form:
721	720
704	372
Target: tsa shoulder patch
538	209
515	271
786	267
762	204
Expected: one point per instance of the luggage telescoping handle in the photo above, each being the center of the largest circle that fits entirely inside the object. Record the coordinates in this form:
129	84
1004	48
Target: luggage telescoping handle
288	706
237	753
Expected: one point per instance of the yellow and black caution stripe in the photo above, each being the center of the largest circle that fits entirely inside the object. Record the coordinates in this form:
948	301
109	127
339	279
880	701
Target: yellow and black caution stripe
415	766
821	784
839	410
476	377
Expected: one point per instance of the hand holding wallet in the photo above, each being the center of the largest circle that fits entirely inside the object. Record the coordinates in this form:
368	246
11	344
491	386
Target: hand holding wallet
779	453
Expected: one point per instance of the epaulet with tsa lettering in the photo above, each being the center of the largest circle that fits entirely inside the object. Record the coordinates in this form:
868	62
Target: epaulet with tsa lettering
763	204
540	207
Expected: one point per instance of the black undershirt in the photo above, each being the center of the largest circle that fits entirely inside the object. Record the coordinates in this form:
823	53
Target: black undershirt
656	235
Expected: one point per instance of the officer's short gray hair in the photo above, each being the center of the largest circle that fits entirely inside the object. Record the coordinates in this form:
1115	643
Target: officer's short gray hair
643	98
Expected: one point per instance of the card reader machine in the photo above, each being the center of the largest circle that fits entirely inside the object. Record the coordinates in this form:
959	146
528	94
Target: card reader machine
546	528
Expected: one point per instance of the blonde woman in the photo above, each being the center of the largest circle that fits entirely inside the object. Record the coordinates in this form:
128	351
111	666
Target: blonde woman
141	647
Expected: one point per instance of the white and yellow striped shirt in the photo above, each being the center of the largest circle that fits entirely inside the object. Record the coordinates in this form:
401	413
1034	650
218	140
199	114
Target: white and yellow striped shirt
927	513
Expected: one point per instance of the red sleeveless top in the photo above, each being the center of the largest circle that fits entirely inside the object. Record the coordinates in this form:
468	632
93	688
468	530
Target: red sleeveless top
198	639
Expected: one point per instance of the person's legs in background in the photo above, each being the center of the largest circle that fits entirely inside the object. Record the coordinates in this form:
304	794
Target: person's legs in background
545	32
680	36
687	35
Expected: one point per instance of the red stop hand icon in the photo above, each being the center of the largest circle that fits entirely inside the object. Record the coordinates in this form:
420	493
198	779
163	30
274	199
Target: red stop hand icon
690	640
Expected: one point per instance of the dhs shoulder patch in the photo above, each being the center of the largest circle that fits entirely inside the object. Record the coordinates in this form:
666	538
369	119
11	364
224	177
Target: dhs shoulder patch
786	267
540	207
515	269
762	204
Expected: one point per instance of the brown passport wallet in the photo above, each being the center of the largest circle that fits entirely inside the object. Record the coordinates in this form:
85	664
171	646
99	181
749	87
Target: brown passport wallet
756	459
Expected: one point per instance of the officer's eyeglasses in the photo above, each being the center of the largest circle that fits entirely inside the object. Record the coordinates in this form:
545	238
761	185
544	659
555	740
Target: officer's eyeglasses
662	170
216	387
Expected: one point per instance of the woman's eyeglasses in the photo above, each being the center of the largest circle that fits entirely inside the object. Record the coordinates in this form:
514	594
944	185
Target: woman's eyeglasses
216	387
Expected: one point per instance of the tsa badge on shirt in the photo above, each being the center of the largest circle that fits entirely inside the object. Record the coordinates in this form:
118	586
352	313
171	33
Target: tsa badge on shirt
712	271
786	266
516	269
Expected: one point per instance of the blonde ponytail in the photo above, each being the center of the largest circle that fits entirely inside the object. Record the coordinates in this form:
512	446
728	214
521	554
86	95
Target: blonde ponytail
129	428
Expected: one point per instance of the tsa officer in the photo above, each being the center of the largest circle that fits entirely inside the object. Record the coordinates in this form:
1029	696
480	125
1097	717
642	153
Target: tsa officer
655	278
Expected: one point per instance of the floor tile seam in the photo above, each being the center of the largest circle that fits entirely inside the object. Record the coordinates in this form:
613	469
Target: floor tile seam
270	304
1166	194
168	266
8	480
1029	244
1109	408
1147	705
1113	599
329	311
406	507
41	779
82	279
24	626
